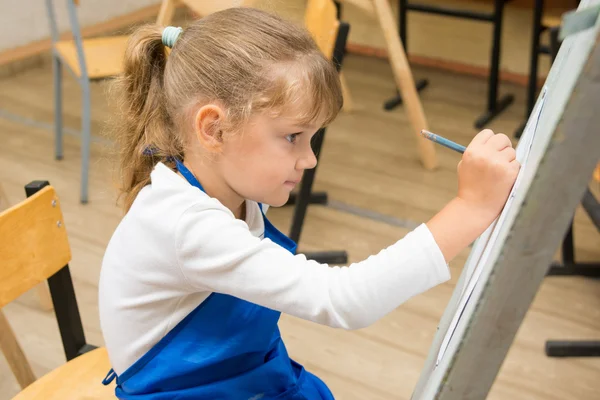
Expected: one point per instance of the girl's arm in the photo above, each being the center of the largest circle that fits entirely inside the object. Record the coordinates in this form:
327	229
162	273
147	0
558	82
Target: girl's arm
217	252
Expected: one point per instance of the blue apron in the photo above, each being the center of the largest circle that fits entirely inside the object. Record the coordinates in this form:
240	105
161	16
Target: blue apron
226	348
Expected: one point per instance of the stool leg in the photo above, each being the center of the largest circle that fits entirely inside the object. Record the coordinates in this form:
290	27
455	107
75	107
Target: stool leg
85	139
58	125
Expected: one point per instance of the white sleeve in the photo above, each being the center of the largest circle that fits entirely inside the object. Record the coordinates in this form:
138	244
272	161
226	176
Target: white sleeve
217	253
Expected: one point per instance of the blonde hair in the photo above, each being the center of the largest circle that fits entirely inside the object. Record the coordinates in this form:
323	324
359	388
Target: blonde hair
248	60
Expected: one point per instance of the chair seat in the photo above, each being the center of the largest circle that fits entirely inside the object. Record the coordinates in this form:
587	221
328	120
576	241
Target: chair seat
80	378
103	56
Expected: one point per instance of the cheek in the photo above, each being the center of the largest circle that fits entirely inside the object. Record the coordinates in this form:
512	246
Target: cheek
258	166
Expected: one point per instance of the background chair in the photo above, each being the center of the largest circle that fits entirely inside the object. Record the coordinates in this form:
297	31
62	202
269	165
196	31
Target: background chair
8	342
35	248
88	60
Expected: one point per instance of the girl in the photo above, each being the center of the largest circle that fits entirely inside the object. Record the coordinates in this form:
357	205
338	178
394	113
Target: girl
195	276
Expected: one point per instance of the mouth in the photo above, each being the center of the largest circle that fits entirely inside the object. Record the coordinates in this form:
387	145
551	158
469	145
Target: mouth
291	183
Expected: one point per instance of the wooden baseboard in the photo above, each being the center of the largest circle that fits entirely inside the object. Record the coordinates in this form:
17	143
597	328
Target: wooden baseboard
446	65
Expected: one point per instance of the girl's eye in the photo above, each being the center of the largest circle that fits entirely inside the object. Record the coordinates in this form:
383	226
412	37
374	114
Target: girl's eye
291	137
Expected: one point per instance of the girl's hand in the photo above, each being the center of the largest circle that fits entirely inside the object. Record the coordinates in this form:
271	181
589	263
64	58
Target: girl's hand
487	173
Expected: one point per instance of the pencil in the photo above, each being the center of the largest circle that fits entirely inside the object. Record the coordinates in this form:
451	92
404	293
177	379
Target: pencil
443	141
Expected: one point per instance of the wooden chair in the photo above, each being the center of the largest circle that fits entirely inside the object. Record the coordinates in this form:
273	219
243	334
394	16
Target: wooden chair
8	342
35	248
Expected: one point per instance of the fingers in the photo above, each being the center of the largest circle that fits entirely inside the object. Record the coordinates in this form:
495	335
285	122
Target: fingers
482	137
516	165
499	142
508	154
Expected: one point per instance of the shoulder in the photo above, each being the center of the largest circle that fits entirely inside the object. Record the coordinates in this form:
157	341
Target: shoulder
171	204
173	194
154	219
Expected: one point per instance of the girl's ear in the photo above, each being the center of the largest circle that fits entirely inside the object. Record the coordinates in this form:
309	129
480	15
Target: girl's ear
207	127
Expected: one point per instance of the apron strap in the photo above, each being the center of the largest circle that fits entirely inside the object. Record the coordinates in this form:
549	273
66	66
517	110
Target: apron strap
187	174
109	377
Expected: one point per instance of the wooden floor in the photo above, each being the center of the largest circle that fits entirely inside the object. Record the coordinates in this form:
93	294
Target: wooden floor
369	161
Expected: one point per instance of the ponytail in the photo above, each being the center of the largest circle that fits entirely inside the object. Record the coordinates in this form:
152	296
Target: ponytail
145	132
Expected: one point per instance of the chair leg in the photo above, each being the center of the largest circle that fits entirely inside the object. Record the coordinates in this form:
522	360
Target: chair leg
44	296
58	125
14	354
85	139
348	103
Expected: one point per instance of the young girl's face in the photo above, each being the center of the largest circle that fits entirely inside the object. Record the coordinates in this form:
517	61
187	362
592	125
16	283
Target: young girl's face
267	160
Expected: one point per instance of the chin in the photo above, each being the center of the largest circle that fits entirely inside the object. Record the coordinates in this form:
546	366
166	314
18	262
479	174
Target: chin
279	201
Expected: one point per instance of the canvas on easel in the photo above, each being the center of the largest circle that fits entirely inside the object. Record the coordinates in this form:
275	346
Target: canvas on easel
509	261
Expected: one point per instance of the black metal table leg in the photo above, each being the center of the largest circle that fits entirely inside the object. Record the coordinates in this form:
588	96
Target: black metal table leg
579	348
315	198
533	63
495	106
569	267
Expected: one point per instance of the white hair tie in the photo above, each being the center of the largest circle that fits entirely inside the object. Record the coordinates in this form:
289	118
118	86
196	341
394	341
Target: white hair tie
170	35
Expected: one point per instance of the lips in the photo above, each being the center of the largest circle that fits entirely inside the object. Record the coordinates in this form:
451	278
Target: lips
291	184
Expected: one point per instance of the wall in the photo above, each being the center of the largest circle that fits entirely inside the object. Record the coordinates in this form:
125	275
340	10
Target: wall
448	42
26	21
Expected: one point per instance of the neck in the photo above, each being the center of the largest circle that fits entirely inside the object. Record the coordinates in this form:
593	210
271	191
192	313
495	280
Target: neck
216	187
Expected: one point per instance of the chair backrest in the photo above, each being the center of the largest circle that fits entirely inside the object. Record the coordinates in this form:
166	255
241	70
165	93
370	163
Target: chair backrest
321	20
75	30
34	247
33	244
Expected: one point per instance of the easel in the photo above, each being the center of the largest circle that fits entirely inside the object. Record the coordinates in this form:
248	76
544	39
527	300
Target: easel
382	11
570	267
495	105
560	165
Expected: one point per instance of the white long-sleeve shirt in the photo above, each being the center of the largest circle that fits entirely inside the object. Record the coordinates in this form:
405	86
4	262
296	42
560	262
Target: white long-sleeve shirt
177	245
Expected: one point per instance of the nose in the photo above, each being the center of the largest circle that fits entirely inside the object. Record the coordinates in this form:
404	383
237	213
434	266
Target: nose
307	161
